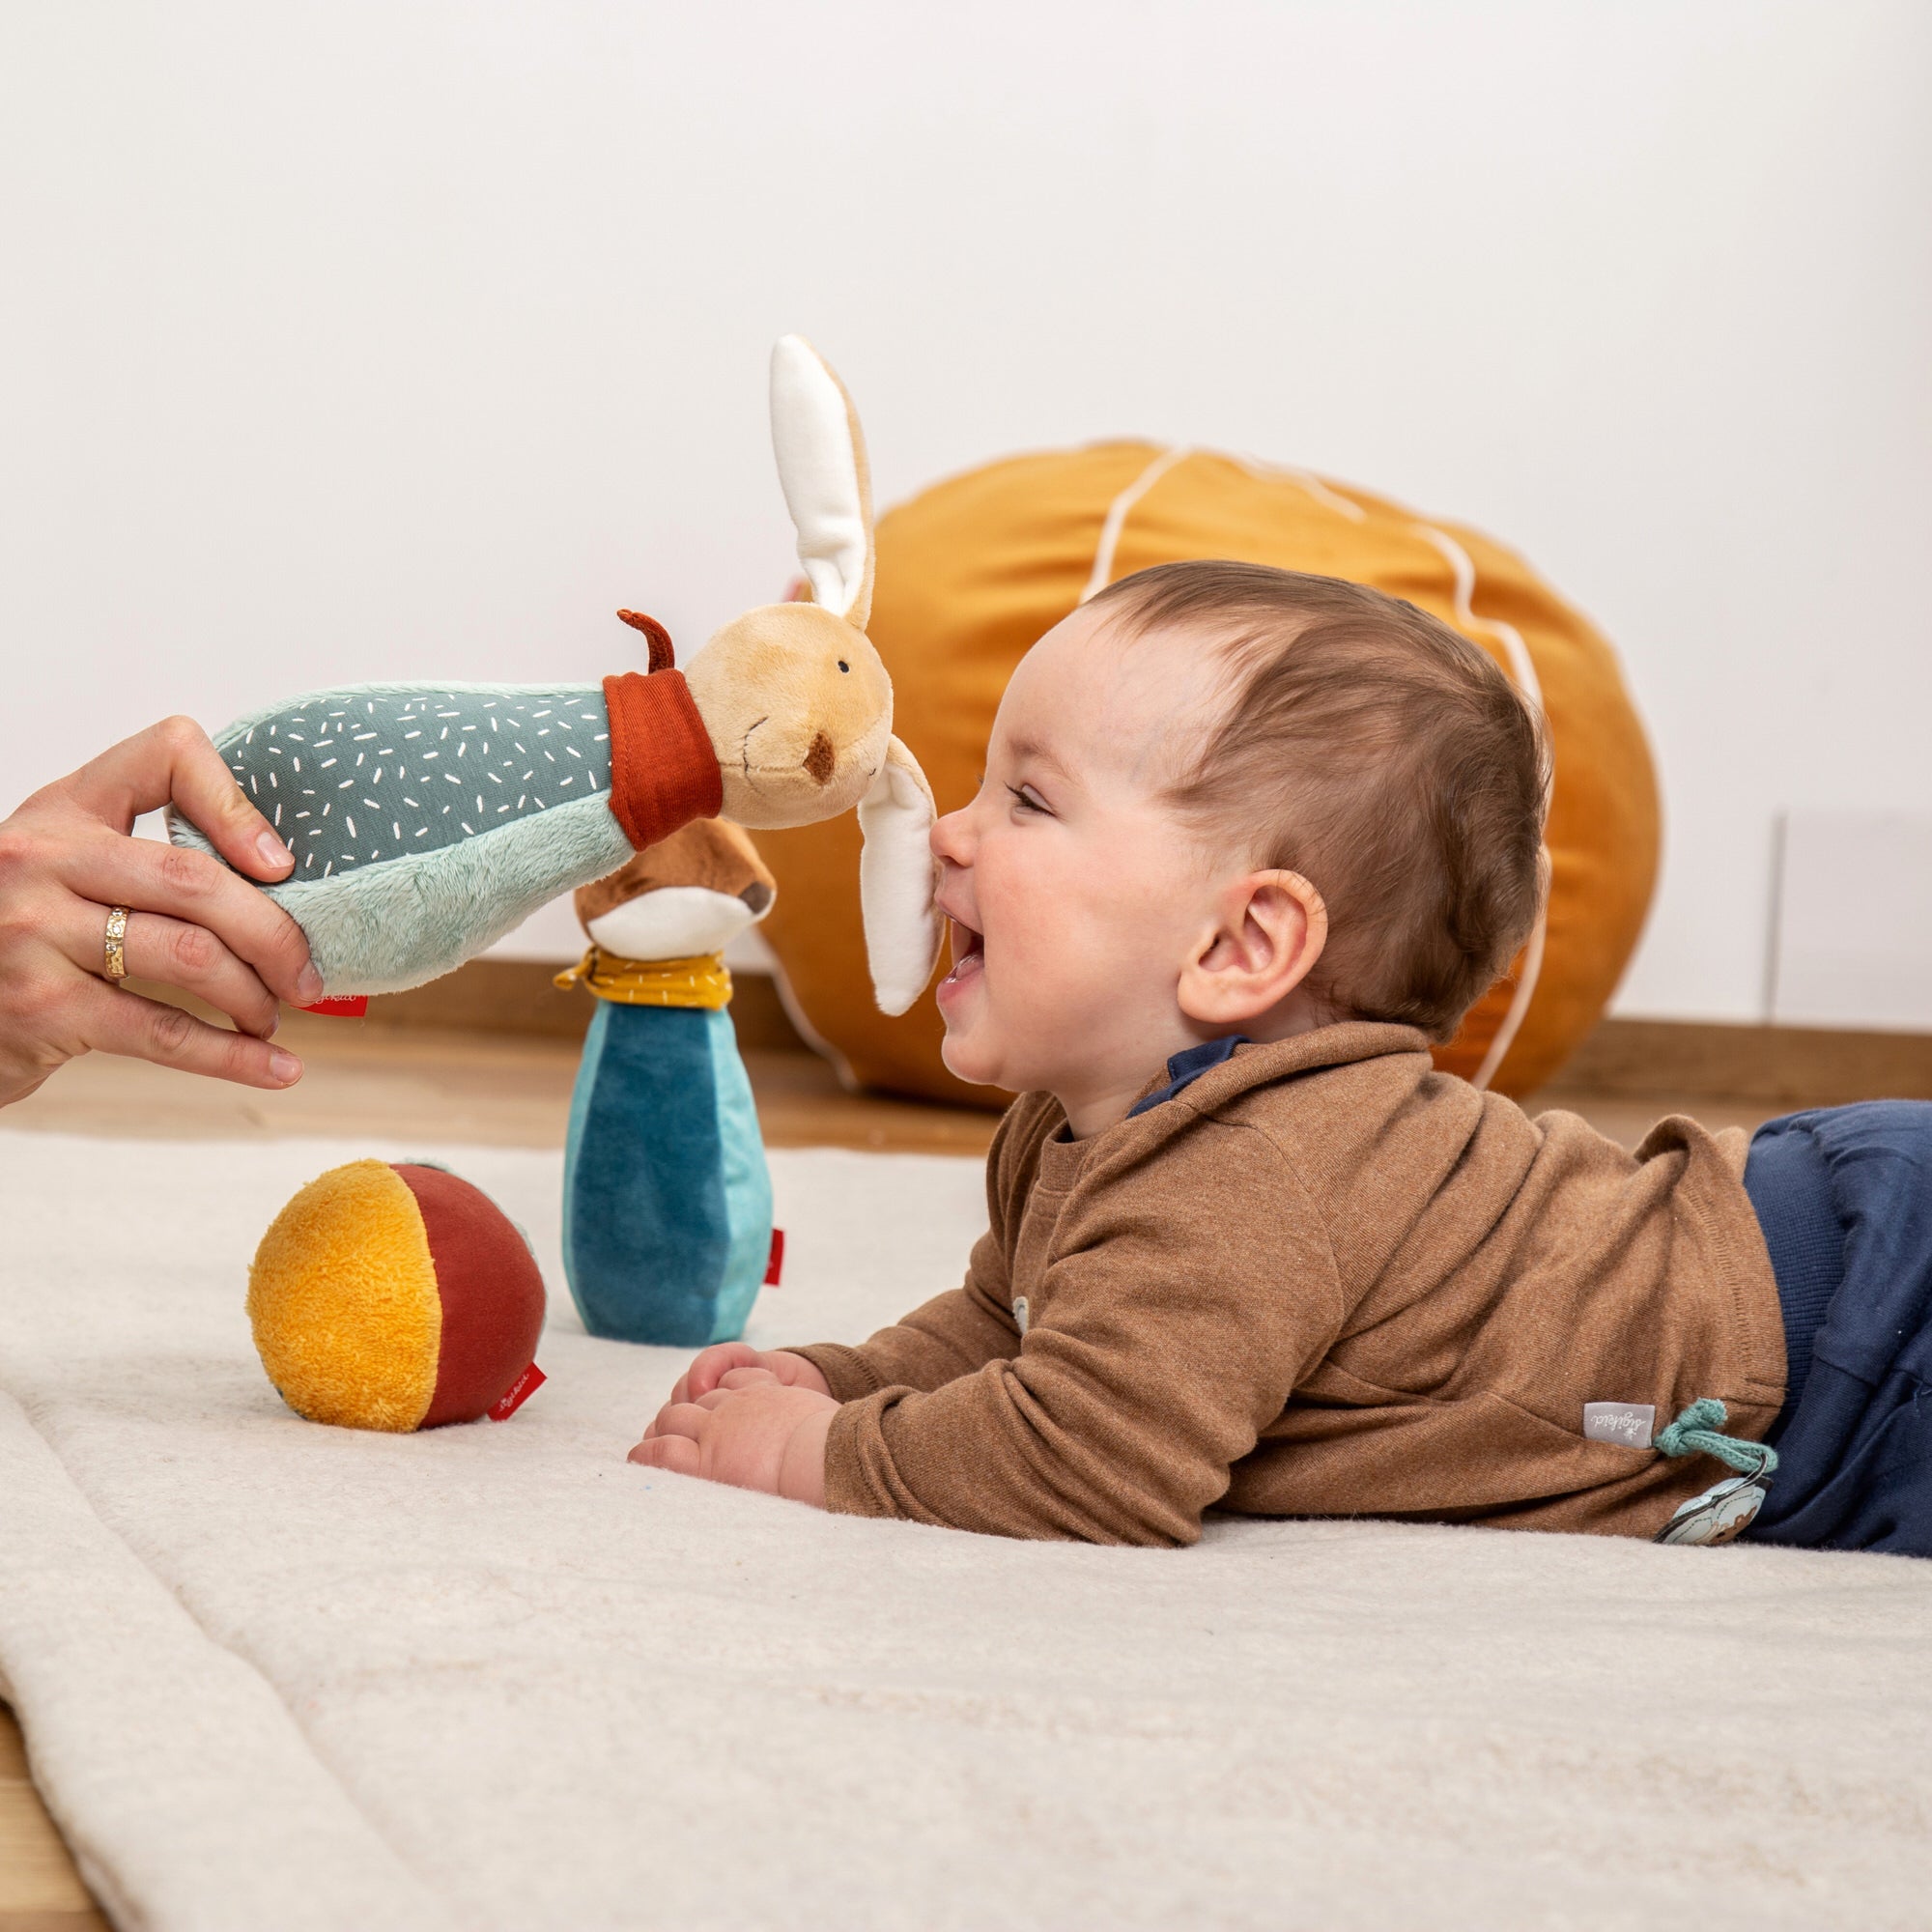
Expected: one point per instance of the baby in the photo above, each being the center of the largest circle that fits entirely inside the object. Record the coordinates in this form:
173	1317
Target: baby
1247	842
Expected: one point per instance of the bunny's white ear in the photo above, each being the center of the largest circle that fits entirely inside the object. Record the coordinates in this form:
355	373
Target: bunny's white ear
827	485
897	877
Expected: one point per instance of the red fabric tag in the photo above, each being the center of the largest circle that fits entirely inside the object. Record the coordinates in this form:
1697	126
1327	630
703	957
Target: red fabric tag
351	1008
517	1394
774	1264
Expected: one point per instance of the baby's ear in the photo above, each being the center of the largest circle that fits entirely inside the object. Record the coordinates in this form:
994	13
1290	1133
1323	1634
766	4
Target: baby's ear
822	469
897	878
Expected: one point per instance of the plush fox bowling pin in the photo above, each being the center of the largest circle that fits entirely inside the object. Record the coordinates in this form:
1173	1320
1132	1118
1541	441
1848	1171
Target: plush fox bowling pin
666	1199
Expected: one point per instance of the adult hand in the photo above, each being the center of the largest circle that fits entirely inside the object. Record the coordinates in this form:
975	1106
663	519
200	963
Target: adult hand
752	1431
709	1370
65	861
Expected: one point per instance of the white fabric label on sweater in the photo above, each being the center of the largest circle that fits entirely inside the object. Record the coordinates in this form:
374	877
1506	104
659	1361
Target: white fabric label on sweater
1021	1311
1628	1424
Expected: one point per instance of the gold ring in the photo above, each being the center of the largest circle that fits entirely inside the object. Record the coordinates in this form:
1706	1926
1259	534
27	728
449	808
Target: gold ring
117	932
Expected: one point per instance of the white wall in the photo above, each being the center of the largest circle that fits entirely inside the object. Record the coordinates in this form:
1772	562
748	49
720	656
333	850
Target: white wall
360	339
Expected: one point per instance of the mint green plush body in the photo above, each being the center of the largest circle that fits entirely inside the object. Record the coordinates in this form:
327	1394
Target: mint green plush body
426	820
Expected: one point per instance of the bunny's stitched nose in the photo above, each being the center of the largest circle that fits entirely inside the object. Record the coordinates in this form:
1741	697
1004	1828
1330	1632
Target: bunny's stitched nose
821	760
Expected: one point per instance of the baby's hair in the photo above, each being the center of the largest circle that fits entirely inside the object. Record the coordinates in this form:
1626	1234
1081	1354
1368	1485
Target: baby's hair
1385	757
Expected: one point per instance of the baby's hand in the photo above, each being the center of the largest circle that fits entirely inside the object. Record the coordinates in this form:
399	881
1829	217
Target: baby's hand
757	1435
714	1366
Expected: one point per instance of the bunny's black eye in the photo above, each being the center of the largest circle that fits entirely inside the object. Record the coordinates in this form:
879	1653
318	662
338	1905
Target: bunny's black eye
844	666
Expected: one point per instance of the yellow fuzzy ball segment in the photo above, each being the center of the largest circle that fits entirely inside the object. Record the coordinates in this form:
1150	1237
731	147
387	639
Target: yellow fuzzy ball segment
344	1303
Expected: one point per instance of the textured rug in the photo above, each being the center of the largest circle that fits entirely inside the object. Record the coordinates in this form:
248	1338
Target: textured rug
273	1674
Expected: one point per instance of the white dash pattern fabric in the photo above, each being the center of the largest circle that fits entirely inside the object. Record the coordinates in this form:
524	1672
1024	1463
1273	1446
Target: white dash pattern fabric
426	819
351	778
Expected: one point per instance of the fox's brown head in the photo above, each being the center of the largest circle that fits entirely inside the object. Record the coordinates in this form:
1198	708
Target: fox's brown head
687	896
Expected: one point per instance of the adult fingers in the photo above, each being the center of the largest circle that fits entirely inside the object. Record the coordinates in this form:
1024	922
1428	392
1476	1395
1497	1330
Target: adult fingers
198	890
174	954
109	1021
174	762
676	1453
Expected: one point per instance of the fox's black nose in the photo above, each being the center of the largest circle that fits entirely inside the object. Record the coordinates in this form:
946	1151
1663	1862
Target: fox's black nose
756	896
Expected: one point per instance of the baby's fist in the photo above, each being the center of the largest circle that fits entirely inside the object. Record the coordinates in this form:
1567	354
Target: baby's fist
756	1436
721	1360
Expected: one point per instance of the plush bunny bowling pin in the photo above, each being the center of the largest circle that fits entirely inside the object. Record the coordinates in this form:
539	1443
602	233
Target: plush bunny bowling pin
428	819
667	1198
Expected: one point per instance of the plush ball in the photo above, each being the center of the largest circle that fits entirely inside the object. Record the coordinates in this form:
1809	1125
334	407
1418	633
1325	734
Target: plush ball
973	571
394	1297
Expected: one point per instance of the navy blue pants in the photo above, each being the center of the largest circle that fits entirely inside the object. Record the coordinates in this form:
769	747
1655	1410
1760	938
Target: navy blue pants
1844	1196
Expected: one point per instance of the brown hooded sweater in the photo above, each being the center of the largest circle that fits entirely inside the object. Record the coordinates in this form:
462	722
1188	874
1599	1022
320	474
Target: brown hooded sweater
1322	1279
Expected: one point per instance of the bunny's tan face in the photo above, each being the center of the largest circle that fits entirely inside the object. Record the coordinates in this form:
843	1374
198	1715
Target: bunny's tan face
799	709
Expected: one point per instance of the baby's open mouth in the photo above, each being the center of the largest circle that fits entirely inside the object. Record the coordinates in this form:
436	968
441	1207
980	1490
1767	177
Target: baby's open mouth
969	953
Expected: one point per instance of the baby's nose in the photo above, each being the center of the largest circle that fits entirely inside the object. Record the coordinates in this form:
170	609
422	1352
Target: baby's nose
945	839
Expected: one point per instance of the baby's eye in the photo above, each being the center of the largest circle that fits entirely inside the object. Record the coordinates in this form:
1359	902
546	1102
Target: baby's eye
1027	799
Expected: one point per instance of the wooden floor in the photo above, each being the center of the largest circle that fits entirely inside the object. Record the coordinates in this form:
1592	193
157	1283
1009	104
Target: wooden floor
513	1089
40	1890
505	1090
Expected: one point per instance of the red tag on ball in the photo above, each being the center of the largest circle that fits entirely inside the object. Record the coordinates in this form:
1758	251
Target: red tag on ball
774	1262
517	1394
350	1007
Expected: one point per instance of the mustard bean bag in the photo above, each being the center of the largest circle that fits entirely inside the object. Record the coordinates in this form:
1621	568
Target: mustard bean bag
974	570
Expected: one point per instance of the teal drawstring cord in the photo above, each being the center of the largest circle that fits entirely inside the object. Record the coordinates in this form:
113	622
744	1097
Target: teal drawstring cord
1699	1431
1731	1506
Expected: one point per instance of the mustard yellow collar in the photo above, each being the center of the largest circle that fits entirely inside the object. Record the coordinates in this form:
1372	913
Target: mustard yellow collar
704	981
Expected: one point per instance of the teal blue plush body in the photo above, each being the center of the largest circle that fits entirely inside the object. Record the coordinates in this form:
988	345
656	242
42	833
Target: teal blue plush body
667	1197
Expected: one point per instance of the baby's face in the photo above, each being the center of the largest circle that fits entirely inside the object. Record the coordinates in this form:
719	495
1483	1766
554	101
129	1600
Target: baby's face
1074	893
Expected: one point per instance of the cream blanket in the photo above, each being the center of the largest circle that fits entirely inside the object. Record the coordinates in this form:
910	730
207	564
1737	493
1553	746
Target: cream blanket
280	1676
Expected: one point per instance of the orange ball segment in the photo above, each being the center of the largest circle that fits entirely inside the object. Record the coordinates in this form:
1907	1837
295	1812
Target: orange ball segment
393	1298
974	570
